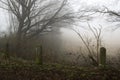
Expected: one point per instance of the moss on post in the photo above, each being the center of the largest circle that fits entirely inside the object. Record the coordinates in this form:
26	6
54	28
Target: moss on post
39	55
102	61
7	51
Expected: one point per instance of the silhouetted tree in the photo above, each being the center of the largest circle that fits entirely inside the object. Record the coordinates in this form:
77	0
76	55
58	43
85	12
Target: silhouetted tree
36	16
92	54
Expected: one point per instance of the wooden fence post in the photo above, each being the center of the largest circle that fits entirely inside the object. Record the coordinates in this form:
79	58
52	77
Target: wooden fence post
102	58
7	56
39	55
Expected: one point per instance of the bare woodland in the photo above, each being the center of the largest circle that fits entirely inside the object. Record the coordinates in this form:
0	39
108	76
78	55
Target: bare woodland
30	20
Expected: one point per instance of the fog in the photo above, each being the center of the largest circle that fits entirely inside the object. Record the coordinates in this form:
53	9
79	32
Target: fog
110	37
69	39
60	39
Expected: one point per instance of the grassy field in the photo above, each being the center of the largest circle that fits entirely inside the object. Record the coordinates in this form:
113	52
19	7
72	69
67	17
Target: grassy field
19	69
56	72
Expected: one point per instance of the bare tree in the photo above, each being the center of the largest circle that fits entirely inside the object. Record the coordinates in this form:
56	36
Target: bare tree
36	16
97	34
112	14
93	55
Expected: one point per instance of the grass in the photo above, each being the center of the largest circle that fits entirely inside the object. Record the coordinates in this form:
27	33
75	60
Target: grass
18	69
55	72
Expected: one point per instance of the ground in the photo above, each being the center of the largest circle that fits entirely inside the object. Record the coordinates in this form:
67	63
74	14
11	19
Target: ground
56	72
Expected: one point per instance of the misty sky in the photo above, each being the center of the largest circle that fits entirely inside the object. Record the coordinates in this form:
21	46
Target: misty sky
110	38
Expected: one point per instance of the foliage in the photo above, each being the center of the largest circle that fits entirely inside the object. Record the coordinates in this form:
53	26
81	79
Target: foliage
56	72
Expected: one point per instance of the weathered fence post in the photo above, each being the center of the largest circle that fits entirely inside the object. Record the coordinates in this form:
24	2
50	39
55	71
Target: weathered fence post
39	55
102	61
6	53
7	56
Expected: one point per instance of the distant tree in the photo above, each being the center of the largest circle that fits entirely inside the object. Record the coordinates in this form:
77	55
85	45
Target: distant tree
93	51
34	17
113	15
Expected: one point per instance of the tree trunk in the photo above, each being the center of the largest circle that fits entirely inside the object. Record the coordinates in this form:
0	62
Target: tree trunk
19	39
